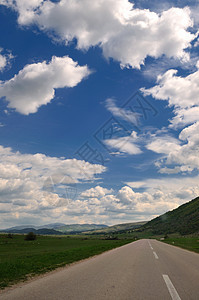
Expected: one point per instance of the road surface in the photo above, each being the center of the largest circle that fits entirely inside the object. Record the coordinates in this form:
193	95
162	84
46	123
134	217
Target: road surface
145	269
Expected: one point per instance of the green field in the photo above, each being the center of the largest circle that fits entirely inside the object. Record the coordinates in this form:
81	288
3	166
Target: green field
19	258
189	243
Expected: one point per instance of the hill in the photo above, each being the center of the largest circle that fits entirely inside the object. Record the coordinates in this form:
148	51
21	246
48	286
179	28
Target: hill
55	228
46	226
51	226
75	228
119	228
183	220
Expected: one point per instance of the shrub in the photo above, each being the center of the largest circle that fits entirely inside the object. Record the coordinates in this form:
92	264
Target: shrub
31	236
10	236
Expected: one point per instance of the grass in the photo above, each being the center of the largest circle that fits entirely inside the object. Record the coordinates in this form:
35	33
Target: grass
19	258
189	243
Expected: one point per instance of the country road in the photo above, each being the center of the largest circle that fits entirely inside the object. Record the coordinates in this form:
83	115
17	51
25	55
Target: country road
145	269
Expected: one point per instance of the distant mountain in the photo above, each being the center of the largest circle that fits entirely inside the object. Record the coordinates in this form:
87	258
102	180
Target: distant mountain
183	220
48	226
36	231
54	228
80	227
60	228
19	227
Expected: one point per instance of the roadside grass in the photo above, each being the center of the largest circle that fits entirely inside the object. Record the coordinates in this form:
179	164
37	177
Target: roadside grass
20	259
189	243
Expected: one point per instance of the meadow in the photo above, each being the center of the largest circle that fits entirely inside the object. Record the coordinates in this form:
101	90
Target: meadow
20	259
187	242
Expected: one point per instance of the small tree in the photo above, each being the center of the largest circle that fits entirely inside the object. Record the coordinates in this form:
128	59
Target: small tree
31	236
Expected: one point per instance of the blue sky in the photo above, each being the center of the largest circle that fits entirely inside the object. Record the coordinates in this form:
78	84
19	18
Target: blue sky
99	110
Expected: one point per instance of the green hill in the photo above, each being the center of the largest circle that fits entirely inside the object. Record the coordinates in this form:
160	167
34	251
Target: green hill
75	228
183	220
119	228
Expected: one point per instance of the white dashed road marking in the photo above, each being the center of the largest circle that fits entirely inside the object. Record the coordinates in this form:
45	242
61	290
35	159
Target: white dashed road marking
171	288
150	246
155	254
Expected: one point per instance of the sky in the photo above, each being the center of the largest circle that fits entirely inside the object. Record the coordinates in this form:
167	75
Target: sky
99	110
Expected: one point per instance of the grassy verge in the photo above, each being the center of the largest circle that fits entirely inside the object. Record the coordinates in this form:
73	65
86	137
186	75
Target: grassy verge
189	243
20	259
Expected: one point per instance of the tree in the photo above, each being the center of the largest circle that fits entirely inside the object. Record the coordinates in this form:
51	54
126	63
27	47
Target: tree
31	236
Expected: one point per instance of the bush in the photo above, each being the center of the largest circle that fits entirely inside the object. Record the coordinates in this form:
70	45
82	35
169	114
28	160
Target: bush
10	236
31	236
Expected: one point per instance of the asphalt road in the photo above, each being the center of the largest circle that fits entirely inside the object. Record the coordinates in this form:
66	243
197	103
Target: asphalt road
146	269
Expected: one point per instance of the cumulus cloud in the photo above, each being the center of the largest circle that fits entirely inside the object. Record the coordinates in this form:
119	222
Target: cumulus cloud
27	196
176	189
32	184
185	116
181	154
159	196
35	84
124	33
126	204
96	192
181	93
165	194
39	165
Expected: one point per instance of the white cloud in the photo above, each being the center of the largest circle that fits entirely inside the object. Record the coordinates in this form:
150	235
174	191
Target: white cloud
142	36
176	170
5	59
96	192
176	189
3	62
125	145
181	154
34	184
35	84
166	193
164	144
159	196
163	64
185	116
124	33
123	113
24	200
127	196
180	92
181	157
126	204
